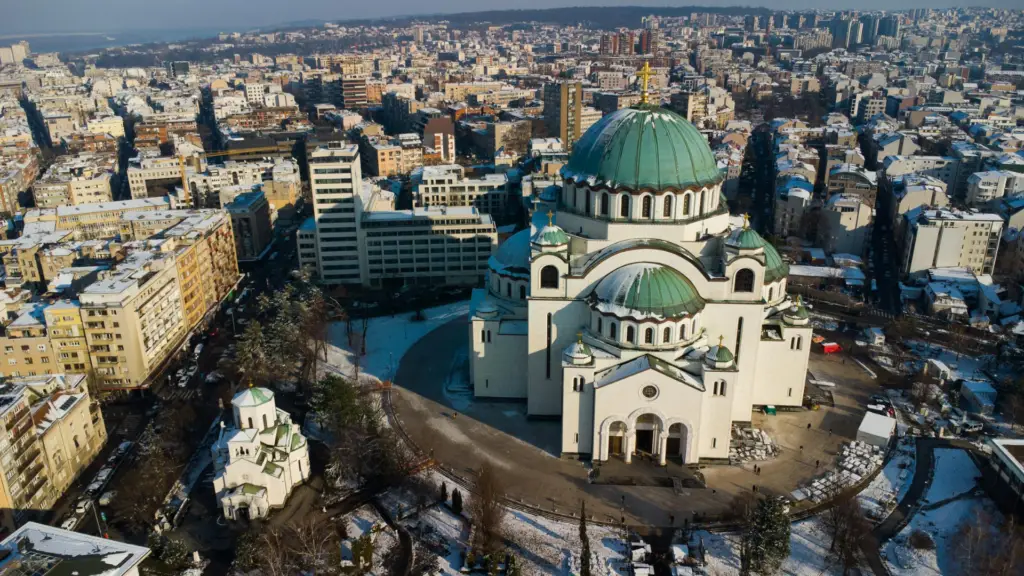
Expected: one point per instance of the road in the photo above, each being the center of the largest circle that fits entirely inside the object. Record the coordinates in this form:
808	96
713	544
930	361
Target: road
763	191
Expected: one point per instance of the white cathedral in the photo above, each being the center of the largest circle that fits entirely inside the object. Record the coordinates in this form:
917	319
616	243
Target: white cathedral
638	314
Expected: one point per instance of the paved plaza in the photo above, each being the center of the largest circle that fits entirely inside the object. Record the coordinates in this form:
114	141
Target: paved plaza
434	404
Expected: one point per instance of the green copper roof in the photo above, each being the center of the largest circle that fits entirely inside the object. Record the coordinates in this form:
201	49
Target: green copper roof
722	355
644	147
648	290
747	238
775	268
551	236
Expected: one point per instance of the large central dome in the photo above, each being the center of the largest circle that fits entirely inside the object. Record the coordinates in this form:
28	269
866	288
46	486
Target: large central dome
643	147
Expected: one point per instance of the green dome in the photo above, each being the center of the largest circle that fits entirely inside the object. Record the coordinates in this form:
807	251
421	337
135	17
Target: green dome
775	268
551	235
746	238
643	147
722	355
646	290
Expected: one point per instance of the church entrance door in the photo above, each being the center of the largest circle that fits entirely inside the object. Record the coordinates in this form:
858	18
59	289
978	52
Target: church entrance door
672	447
645	441
615	445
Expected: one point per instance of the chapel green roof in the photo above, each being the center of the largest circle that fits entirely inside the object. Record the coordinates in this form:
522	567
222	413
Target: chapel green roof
643	147
647	290
746	238
722	355
551	236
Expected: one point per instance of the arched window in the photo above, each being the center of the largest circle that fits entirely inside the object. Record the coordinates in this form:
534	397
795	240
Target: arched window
744	281
682	332
508	289
666	208
600	330
587	207
76	441
647	206
624	206
522	292
604	204
666	337
700	203
721	388
714	391
771	294
575	384
611	331
265	425
250	422
649	336
630	335
549	277
686	204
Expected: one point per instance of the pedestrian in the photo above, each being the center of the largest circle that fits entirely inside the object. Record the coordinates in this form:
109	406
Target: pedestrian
830	432
801	447
808	425
816	463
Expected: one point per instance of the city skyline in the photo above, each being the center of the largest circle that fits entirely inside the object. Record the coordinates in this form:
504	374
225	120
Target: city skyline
95	16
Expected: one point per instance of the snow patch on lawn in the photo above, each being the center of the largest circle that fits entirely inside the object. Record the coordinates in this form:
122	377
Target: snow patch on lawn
943	525
955	474
387	340
808	551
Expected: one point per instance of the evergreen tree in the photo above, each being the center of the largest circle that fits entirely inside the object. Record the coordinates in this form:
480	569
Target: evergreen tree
769	536
584	541
456	502
444	491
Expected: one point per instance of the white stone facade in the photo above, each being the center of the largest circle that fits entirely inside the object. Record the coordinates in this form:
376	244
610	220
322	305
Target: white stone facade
259	459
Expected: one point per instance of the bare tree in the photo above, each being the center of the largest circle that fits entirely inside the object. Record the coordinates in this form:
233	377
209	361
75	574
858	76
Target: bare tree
742	509
847	527
991	547
487	512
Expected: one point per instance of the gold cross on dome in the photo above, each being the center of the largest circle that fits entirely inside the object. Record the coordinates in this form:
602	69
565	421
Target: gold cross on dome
550	215
579	337
746	220
721	339
645	77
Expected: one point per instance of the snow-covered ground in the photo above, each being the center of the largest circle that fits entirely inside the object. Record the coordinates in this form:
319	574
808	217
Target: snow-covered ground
543	546
954	475
387	340
363	520
891	483
808	551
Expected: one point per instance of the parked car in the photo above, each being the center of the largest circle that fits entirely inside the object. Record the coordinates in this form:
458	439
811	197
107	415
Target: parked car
83	506
107	498
124	447
93	488
69	523
214	377
192	371
197	351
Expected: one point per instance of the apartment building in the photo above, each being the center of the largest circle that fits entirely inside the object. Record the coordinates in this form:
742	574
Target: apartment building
392	156
27	350
942	167
447	185
947	238
112	125
910	192
100	220
250	221
986	187
792	205
80	179
335	174
851	179
154	176
563	110
52	430
427	246
845	224
66	330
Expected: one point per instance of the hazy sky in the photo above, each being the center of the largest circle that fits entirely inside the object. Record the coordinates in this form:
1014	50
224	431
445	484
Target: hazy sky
25	16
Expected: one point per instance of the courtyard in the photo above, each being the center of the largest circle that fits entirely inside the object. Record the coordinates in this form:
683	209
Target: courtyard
434	404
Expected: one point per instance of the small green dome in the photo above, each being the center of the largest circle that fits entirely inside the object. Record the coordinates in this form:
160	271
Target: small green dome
722	355
647	290
775	268
746	238
796	314
643	147
551	235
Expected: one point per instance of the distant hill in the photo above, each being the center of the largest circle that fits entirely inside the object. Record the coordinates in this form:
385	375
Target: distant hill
597	17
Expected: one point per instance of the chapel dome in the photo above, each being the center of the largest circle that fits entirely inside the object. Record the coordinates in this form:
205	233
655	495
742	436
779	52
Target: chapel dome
643	147
746	238
578	352
645	290
719	357
513	256
796	314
